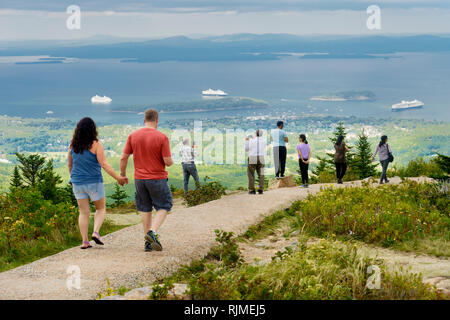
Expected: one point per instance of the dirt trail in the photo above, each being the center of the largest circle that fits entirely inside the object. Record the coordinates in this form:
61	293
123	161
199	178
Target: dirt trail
187	234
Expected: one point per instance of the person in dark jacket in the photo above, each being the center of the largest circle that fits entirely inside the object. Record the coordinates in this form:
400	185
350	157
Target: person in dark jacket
340	159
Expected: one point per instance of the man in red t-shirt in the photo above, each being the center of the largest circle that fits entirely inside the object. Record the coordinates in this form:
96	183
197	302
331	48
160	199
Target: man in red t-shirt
151	154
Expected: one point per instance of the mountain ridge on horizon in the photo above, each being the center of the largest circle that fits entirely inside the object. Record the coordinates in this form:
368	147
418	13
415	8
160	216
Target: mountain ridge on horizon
237	47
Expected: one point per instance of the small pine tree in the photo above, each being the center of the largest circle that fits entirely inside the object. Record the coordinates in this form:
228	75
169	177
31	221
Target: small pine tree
362	159
48	182
326	164
338	131
443	162
118	196
321	167
30	166
16	180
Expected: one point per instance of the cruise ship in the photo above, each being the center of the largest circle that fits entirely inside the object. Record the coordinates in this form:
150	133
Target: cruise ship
404	105
211	92
98	99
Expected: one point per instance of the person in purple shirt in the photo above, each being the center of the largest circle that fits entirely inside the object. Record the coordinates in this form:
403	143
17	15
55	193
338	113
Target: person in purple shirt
304	155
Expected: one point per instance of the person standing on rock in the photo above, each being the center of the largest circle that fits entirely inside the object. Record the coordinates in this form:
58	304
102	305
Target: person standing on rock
85	159
340	159
279	139
304	156
187	154
256	148
385	155
151	154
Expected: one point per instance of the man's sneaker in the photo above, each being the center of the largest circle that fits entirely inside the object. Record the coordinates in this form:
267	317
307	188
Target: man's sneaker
302	186
147	247
153	239
260	192
252	192
386	181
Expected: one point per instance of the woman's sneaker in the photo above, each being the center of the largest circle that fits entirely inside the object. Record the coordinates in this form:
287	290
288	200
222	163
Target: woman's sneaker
152	238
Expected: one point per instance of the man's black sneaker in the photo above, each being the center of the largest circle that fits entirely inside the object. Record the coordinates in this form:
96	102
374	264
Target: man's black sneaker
152	238
252	192
260	192
147	246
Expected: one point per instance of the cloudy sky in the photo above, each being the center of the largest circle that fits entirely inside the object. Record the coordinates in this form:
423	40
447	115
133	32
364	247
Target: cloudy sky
46	19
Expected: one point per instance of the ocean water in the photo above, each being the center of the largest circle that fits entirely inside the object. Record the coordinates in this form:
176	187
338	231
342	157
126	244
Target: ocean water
30	90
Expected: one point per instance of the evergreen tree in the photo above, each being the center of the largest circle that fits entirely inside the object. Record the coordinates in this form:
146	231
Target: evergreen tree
362	160
16	180
48	182
327	163
118	196
31	167
67	196
443	162
321	167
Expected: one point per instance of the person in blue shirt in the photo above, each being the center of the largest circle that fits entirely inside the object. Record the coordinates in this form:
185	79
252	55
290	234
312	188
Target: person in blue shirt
279	138
86	158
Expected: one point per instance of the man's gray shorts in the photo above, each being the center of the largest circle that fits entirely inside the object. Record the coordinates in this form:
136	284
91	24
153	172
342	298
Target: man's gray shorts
153	194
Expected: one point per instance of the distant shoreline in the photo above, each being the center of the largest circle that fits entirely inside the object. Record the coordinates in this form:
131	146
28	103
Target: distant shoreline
194	110
340	99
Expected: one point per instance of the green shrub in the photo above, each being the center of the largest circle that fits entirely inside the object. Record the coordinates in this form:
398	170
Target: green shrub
208	191
25	217
227	251
320	271
161	291
386	215
419	167
32	227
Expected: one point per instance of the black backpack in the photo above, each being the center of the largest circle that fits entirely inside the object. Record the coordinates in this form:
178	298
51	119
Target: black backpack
390	156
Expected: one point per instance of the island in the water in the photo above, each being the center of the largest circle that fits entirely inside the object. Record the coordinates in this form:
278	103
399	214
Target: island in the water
205	105
346	96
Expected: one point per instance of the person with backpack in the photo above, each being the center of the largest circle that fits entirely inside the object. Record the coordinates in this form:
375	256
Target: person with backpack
304	155
340	159
384	152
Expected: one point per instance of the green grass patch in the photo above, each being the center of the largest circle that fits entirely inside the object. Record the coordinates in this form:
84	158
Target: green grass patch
395	216
315	272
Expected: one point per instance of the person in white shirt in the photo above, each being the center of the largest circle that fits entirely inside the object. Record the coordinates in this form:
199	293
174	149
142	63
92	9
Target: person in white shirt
187	154
256	148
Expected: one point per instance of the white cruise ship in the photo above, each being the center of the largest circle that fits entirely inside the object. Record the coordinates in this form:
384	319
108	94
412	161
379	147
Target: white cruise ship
98	99
404	105
211	92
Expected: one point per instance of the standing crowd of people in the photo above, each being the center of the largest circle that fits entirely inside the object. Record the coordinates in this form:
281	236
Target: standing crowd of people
151	155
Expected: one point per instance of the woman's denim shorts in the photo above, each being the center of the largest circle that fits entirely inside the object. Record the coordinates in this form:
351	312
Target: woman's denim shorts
94	191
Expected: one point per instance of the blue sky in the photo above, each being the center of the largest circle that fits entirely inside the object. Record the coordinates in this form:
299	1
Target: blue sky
45	19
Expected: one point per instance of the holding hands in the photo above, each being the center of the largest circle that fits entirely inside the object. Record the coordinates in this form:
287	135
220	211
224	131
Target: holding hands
122	180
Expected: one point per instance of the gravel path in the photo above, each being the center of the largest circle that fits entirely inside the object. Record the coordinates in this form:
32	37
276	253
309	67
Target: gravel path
187	234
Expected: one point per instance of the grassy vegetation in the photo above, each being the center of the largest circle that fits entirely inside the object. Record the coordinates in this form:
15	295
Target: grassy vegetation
327	269
32	228
318	271
387	216
420	167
